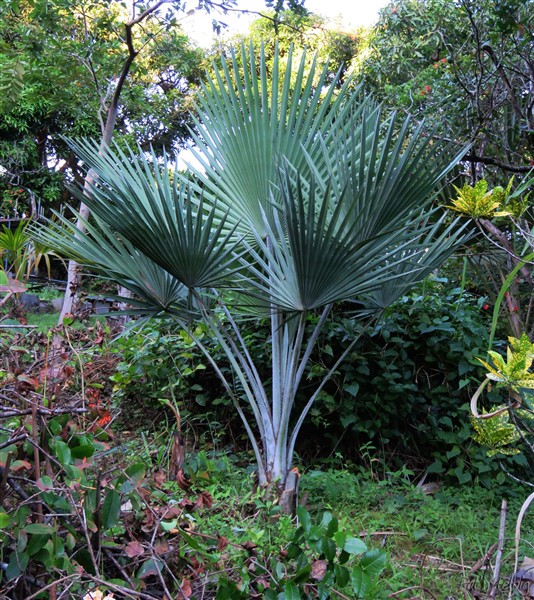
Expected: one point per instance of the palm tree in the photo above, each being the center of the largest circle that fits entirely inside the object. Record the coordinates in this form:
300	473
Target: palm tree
306	197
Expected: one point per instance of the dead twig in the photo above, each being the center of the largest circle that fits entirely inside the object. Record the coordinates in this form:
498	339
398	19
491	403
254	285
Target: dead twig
120	589
52	585
18	438
3	482
413	587
118	566
442	564
498	557
44	412
479	565
381	533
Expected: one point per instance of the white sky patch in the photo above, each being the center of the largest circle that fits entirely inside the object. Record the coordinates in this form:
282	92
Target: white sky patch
346	15
186	158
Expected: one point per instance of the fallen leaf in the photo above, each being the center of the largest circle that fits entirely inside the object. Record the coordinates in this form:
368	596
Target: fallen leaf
222	542
204	499
159	477
183	481
150	567
250	546
134	548
185	588
263	582
94	595
318	570
18	465
30	381
171	512
161	547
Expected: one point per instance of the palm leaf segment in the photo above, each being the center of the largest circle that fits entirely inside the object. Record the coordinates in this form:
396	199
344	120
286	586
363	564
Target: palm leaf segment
150	209
252	120
155	290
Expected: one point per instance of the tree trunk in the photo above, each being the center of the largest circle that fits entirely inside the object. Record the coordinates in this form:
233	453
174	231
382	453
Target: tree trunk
288	493
73	275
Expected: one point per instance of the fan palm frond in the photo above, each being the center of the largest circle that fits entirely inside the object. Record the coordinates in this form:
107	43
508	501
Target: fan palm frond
155	290
151	209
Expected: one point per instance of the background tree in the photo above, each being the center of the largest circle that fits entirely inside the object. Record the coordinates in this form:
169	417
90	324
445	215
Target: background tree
301	31
55	84
112	44
467	68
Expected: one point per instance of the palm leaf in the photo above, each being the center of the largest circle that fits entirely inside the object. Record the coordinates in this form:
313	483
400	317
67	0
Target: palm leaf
154	212
253	120
155	290
313	254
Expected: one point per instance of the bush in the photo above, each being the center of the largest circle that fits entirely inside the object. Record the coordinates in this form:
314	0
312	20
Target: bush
159	363
401	398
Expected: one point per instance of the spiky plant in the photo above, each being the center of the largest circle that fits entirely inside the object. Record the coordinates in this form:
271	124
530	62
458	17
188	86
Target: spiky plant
306	197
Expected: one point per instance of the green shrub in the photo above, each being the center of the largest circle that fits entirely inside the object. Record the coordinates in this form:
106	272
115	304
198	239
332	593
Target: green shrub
161	363
400	398
403	396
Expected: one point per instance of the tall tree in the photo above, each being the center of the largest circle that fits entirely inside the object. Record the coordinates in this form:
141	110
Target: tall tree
466	67
302	31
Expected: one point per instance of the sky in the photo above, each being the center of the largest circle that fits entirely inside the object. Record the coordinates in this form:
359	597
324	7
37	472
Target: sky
348	13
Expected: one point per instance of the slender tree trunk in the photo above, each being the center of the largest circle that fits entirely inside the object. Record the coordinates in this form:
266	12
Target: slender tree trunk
73	272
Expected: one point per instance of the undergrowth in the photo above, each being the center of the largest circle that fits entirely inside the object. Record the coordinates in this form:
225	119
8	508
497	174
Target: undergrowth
90	504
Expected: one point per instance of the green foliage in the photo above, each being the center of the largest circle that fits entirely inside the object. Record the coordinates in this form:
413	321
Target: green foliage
158	363
508	426
515	371
500	256
14	202
403	395
300	32
497	433
14	248
11	81
429	57
131	515
20	254
318	560
115	521
28	546
56	65
476	202
450	523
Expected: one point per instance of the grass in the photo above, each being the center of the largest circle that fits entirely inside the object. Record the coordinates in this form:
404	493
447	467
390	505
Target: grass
434	542
43	322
